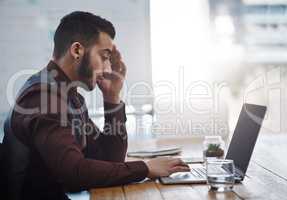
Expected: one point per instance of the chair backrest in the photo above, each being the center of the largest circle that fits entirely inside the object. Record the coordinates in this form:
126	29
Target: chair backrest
16	158
3	176
17	154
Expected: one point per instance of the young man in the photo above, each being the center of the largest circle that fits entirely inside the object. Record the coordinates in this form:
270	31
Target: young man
52	145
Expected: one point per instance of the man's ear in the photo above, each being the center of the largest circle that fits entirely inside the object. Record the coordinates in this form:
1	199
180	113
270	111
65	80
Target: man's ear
77	50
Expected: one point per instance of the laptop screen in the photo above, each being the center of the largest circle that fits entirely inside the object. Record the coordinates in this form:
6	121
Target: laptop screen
245	135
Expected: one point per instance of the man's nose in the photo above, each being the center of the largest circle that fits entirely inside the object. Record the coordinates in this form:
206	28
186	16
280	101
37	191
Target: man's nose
107	67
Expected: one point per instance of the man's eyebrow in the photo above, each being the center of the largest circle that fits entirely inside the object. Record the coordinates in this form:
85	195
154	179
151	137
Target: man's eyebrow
107	50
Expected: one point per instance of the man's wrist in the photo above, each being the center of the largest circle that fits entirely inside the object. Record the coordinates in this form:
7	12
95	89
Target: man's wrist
112	99
115	112
149	175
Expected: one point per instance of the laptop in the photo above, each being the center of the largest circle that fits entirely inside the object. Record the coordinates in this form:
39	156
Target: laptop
240	148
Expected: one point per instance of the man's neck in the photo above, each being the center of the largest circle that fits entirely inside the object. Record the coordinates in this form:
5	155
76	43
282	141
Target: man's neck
66	67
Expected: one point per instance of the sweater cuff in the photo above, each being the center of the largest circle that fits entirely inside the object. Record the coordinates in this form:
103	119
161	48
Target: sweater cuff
139	170
115	112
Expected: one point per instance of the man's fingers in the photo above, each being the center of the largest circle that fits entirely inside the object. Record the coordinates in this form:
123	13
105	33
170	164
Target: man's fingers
175	161
116	55
117	63
178	161
180	169
123	69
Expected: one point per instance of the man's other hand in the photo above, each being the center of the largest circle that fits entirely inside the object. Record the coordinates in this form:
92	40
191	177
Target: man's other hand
165	166
113	78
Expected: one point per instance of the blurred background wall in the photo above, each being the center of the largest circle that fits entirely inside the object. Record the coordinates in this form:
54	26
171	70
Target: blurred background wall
26	42
190	63
221	53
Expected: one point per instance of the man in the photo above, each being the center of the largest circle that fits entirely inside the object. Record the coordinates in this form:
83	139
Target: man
52	144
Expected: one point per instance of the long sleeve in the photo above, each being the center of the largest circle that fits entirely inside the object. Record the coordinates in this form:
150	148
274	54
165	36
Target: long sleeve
111	144
64	158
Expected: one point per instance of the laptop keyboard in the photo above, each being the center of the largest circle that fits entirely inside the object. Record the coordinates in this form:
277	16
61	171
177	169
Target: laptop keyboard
200	172
237	173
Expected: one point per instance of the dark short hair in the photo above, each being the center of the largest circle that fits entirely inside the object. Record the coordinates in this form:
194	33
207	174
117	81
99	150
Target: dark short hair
79	26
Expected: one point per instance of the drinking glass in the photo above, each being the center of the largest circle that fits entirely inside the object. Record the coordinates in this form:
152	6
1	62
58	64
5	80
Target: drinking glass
220	174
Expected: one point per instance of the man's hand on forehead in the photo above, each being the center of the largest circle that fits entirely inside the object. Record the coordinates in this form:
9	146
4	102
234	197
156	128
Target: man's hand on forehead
117	63
117	68
114	75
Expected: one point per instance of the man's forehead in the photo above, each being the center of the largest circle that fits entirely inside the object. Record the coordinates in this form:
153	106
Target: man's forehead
105	42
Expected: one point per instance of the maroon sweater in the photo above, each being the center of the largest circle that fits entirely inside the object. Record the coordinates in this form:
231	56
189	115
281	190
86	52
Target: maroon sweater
61	160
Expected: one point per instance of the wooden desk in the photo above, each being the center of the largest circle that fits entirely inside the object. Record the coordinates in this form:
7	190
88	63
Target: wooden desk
266	175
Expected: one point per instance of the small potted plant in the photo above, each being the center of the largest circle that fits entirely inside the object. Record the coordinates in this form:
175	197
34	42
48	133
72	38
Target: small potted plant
213	147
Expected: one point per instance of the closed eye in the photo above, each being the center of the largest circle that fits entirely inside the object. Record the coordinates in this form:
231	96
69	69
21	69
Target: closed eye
105	57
